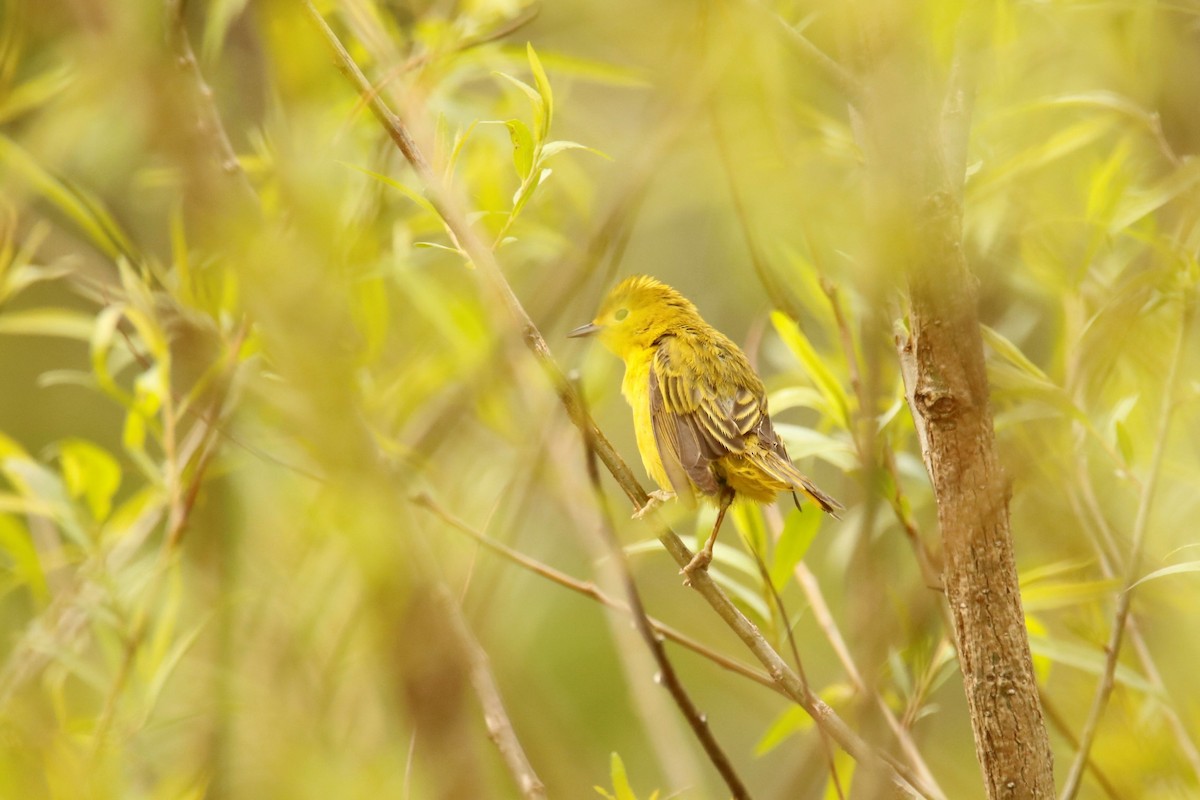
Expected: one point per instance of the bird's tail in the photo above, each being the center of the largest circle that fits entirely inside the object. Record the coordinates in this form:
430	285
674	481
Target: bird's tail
785	471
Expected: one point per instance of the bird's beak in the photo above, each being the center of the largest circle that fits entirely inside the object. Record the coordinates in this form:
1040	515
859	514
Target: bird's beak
584	330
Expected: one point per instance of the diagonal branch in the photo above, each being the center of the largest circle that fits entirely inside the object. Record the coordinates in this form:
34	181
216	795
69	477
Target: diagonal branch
482	257
209	122
666	670
589	589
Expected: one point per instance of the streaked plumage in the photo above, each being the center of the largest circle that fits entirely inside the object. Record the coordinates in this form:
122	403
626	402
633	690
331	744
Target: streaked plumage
699	410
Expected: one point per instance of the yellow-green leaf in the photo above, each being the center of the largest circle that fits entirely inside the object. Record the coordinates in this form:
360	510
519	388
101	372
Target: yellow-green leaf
26	566
543	88
820	374
47	322
522	142
90	472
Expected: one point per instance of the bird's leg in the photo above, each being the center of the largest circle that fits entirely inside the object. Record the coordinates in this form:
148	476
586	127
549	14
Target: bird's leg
657	498
704	556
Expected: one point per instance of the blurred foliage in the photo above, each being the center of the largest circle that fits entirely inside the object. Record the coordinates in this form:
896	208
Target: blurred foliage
223	379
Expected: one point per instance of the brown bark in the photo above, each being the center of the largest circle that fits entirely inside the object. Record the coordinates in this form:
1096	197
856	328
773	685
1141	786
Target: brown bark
914	126
948	395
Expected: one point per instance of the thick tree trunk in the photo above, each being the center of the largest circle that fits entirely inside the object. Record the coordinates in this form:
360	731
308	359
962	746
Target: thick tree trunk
948	395
914	134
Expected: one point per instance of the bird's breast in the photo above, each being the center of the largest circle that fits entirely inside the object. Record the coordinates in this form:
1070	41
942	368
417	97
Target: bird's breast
636	389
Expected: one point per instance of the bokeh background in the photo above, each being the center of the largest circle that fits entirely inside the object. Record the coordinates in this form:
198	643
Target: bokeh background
236	343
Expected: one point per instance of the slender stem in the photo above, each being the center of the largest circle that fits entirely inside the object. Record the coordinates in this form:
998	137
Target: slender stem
495	716
209	118
827	624
1125	598
815	57
666	670
590	590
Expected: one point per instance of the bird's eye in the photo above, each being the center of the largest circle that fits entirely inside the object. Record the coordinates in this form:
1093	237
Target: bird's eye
621	314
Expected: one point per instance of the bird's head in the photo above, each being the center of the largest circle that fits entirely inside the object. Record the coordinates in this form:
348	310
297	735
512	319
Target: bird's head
636	313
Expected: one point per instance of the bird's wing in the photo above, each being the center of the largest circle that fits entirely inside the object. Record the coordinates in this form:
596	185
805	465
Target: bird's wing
699	411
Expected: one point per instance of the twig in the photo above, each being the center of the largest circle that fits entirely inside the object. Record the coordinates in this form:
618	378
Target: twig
837	75
785	619
523	18
485	261
590	590
495	717
775	293
931	574
1102	535
1064	729
666	671
1141	522
824	619
209	123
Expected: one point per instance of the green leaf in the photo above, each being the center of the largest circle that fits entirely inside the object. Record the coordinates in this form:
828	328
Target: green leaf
411	194
1089	659
793	720
522	142
619	779
526	191
137	515
543	88
1135	205
1043	596
26	566
554	148
1124	441
821	376
1176	569
804	442
436	246
799	531
460	140
219	15
535	100
90	472
1010	352
844	767
47	322
748	520
35	92
1053	148
17	504
45	490
133	434
796	397
84	210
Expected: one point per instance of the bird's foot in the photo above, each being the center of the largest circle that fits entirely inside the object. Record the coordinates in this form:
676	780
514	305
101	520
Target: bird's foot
657	498
699	563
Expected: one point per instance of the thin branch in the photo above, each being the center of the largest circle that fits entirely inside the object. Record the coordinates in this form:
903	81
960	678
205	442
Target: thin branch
590	590
925	561
209	122
1085	507
485	261
816	58
824	620
666	670
1125	599
785	620
495	716
758	260
1063	727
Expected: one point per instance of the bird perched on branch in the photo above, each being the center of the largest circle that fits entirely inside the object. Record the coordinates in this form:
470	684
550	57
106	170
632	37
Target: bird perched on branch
699	410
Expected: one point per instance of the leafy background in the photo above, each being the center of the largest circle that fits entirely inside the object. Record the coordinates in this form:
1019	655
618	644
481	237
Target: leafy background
236	342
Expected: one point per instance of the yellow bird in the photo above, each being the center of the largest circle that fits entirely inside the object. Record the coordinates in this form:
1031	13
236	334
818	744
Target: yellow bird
699	411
